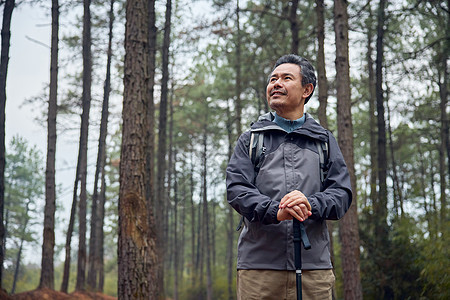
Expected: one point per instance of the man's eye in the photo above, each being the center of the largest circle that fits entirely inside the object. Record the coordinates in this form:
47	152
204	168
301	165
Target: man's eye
273	79
288	77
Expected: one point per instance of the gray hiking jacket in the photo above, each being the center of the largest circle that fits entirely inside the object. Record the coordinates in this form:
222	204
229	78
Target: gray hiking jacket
291	162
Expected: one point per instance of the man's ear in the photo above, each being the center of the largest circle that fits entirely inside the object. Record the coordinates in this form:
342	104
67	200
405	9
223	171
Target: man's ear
309	88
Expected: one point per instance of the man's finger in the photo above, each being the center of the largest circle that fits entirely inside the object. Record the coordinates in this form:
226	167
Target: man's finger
295	214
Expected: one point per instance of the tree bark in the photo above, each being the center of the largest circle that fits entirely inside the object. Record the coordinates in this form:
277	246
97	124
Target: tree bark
86	100
137	255
193	233
183	232
321	71
380	206
444	96
293	20
66	272
4	60
97	213
372	117
443	147
150	151
48	246
238	120
230	225
17	268
434	210
200	245
171	238
162	137
101	239
205	226
398	197
19	253
238	64
348	226
176	245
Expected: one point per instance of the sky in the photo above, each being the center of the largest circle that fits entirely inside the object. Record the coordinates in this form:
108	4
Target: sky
28	72
28	75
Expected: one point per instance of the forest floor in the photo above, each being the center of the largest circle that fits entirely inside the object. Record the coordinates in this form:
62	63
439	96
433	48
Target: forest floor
48	294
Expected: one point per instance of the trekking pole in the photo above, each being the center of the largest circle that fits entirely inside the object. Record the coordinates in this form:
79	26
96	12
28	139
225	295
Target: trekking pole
299	237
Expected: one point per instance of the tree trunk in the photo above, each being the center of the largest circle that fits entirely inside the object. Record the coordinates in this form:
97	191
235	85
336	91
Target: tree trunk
212	232
348	226
176	245
183	232
137	255
86	100
170	187
47	279
101	238
161	196
434	210
423	189
17	268
444	97
150	145
230	225
193	236
19	253
97	212
443	148
150	151
293	20
66	272
206	221
4	60
321	71
200	245
380	206
238	120
372	118
398	197
238	64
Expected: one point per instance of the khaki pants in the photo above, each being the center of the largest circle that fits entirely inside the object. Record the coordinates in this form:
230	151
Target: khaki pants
278	285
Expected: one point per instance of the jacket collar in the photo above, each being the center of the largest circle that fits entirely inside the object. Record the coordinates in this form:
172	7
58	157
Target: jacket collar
310	128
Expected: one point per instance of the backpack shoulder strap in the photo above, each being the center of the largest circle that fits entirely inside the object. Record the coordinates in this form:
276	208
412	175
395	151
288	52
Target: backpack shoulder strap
256	149
322	149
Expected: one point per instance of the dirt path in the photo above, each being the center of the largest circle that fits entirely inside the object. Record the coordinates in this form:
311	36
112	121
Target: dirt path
47	294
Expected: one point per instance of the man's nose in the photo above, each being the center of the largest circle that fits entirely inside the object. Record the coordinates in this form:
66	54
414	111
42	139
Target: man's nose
277	83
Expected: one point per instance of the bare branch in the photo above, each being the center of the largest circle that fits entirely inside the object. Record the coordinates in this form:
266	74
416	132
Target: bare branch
38	42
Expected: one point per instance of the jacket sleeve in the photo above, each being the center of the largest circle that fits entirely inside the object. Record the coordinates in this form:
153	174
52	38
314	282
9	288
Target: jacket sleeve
242	194
336	196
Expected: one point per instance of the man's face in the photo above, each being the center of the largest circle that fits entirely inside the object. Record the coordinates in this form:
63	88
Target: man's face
285	92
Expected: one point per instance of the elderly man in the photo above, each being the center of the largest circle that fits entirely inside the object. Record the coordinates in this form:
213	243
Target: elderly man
286	184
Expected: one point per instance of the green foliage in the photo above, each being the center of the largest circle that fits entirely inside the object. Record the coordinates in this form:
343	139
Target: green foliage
198	291
29	276
405	258
24	192
404	261
111	275
436	263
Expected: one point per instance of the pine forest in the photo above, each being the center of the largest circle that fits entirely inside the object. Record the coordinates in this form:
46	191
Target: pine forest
140	105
